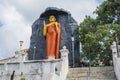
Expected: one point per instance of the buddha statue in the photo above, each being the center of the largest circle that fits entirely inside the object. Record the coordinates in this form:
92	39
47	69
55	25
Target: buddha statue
52	33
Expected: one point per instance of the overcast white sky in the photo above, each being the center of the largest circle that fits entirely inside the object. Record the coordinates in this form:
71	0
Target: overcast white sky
17	16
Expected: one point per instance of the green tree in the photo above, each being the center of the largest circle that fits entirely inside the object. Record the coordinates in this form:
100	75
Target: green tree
109	14
97	35
88	38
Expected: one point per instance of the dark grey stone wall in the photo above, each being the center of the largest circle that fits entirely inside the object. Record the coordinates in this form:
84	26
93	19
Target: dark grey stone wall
68	29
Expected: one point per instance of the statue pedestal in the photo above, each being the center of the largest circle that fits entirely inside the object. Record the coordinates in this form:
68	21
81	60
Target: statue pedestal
51	57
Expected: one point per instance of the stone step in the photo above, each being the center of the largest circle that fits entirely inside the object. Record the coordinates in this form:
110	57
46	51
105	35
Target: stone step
79	71
91	74
86	78
96	73
91	68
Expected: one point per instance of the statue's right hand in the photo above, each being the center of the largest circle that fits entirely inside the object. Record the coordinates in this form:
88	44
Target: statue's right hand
45	29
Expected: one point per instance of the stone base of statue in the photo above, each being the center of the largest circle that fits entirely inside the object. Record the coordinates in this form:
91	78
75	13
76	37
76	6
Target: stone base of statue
51	57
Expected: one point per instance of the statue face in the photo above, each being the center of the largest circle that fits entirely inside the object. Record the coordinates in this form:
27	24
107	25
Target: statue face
52	19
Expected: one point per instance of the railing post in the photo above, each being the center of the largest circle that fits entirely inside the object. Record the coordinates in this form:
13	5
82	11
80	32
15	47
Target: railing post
64	57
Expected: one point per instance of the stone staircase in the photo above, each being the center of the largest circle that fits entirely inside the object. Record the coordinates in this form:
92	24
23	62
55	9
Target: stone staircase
96	73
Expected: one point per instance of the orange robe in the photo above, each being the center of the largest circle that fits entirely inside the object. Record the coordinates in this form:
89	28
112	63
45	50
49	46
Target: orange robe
53	40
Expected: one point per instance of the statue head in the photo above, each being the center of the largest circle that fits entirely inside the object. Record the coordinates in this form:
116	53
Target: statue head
52	18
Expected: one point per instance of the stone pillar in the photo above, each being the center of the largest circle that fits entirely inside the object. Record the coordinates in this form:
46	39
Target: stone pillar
64	54
116	60
21	55
64	57
114	49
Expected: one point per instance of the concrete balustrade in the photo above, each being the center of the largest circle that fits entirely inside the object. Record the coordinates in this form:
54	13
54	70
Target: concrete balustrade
55	69
116	59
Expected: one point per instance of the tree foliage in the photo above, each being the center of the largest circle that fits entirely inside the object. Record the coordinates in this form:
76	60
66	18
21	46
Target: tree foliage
97	35
109	12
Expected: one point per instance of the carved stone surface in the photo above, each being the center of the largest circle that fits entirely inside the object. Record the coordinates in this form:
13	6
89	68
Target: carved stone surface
68	29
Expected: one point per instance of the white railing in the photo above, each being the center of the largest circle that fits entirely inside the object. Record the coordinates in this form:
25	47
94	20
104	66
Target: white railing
116	60
56	69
